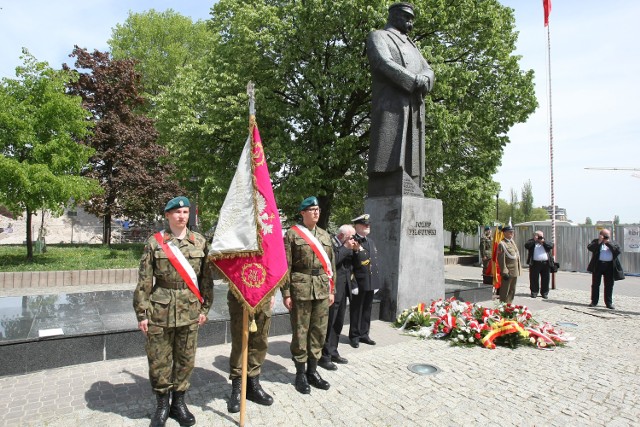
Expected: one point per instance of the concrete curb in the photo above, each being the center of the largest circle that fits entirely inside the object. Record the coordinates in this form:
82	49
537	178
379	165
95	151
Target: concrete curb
47	279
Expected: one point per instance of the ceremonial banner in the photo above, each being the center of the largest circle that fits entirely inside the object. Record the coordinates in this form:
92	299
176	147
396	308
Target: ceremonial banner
493	269
247	246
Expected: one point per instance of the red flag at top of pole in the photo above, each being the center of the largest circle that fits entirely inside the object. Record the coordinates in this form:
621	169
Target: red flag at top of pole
547	11
247	246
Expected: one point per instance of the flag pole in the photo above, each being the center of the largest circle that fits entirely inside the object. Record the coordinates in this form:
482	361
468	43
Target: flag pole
547	11
245	313
245	357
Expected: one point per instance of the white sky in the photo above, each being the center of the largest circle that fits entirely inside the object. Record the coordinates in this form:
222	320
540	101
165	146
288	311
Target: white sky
594	69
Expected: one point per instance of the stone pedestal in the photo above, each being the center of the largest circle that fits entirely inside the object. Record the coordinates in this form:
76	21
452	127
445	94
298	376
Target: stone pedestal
408	233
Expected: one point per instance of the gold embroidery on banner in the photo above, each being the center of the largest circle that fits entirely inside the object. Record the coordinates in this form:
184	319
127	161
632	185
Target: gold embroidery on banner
253	275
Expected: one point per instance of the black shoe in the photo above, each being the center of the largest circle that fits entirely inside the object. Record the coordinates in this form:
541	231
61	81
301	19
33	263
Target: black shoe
302	385
313	377
592	305
179	410
533	295
611	307
256	393
367	340
339	359
327	364
161	414
545	296
355	343
233	405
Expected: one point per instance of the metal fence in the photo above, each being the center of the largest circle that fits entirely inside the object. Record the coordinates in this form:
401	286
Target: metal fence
571	245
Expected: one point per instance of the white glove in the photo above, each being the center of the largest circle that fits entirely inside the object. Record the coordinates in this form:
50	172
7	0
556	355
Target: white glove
354	291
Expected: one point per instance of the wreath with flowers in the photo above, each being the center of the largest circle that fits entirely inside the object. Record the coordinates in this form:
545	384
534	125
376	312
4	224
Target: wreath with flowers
470	324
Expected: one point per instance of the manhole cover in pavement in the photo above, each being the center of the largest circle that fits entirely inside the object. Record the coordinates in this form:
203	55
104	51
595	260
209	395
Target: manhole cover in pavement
423	369
567	324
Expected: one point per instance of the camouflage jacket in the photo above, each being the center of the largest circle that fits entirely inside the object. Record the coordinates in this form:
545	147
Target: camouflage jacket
173	307
307	279
485	247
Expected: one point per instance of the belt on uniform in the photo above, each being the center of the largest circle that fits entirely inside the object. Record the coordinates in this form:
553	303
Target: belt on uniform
311	271
541	262
604	262
171	285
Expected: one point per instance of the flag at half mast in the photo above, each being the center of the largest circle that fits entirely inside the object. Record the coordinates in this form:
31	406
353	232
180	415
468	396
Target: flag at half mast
247	246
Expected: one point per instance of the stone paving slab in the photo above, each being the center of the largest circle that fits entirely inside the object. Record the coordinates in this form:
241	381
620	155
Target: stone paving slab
593	381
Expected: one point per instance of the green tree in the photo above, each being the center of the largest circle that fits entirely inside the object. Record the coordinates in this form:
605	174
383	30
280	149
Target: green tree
526	205
313	97
616	220
128	162
40	130
161	43
588	221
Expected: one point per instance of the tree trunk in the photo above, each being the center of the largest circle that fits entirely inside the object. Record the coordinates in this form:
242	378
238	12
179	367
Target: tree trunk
106	230
29	237
452	244
325	211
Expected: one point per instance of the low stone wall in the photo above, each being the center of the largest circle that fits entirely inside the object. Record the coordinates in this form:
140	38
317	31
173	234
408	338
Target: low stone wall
44	279
460	259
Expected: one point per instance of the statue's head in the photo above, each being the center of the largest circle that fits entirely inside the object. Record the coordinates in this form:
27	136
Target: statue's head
401	17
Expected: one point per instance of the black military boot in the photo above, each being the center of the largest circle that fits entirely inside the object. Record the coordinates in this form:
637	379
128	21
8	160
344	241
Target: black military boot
314	377
179	410
256	394
233	405
162	410
302	385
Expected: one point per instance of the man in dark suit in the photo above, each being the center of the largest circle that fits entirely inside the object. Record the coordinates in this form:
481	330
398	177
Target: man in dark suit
343	245
367	277
538	258
605	251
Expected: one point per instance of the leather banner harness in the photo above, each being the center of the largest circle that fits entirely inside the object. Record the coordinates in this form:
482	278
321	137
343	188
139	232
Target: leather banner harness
180	263
317	248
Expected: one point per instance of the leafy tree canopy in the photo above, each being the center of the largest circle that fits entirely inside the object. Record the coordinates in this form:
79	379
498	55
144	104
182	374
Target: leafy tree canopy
128	162
161	43
313	98
40	132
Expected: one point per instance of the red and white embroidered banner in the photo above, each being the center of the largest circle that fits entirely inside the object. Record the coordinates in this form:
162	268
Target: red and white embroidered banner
248	246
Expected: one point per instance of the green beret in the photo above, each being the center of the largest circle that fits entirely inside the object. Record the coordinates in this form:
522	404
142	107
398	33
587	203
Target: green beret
362	219
177	202
402	6
307	203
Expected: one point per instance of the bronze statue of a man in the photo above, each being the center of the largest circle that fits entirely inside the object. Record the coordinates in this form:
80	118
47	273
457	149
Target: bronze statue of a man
401	79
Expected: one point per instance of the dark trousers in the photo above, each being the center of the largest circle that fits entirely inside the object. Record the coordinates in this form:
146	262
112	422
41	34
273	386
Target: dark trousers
360	315
334	326
539	275
602	269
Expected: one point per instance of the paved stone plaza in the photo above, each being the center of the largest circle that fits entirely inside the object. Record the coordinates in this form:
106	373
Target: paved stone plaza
593	381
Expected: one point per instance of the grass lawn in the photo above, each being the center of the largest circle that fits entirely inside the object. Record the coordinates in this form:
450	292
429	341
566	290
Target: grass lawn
60	257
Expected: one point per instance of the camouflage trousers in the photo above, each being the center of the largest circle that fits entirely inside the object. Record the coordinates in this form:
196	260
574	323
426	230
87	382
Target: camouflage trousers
507	289
258	341
171	353
309	321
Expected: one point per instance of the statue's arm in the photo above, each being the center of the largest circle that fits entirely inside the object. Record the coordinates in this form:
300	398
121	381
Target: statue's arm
381	62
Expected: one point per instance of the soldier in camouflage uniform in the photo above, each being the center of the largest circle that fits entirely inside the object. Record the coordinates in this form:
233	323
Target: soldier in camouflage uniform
307	294
509	262
169	313
257	348
485	248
